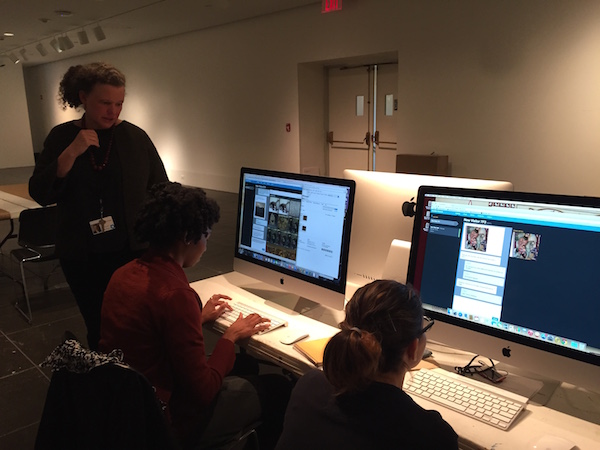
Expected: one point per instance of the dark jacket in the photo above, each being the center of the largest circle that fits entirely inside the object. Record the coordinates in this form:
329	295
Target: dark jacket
110	407
133	167
380	417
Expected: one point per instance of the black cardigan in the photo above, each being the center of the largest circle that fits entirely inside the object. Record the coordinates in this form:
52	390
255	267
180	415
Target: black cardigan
136	167
379	418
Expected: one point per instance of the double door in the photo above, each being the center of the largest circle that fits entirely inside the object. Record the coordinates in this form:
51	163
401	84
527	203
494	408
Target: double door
362	118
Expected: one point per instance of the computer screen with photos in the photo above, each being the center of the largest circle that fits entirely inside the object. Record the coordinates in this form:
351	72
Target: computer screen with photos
294	231
521	268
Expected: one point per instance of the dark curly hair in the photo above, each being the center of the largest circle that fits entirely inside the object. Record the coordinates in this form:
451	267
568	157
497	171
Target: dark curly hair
174	212
84	78
382	319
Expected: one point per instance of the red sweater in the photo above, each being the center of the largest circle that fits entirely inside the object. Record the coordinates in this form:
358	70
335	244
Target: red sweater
153	315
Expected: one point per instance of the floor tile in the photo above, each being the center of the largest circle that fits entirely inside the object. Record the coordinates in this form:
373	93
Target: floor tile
12	360
22	400
20	439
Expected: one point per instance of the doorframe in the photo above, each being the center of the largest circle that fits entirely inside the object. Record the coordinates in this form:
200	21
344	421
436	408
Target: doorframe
313	107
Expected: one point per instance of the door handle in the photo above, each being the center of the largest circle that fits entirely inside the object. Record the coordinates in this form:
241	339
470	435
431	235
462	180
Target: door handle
332	141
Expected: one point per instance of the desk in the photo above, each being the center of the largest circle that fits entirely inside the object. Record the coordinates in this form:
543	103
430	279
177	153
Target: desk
533	422
267	346
14	198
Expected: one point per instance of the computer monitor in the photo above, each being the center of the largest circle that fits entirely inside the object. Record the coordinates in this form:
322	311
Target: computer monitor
293	232
512	276
379	219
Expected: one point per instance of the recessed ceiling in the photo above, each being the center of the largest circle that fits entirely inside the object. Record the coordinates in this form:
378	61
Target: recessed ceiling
123	22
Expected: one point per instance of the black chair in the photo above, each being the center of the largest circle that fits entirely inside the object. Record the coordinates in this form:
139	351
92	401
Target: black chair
110	407
37	237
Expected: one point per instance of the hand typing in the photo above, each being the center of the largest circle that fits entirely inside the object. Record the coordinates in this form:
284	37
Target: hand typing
215	306
244	327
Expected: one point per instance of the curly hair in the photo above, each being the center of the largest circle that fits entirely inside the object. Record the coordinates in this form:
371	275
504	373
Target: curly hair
84	78
382	318
174	212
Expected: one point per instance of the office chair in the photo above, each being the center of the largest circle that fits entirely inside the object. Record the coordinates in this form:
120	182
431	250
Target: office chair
96	402
248	440
36	238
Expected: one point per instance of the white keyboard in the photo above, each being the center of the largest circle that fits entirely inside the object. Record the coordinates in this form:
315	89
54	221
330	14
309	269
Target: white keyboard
245	309
462	397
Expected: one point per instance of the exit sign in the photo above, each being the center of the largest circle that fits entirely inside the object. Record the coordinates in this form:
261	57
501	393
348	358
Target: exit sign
331	5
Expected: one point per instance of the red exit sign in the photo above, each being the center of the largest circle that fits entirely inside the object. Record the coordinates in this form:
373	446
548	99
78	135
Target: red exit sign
331	5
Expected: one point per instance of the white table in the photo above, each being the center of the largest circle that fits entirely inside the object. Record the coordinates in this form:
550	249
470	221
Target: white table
267	346
11	206
570	413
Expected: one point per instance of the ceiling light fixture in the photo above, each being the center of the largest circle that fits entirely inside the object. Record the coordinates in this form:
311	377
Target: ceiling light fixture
9	34
99	33
55	46
64	43
83	37
63	13
13	58
41	49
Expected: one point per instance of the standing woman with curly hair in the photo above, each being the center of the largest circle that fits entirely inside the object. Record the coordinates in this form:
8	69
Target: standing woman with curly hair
152	313
97	169
357	401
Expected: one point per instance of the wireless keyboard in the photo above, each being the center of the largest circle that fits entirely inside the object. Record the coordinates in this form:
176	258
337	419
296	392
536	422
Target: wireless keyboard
460	396
245	309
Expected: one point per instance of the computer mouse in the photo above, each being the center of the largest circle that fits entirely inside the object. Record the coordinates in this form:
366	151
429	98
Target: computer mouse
551	442
292	336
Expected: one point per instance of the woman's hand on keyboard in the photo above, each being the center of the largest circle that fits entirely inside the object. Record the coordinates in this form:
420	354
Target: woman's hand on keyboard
244	327
215	306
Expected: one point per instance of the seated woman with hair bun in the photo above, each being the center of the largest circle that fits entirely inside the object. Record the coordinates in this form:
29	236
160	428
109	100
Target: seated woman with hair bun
357	401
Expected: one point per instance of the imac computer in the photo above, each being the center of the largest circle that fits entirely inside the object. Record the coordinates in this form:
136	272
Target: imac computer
379	219
293	232
513	277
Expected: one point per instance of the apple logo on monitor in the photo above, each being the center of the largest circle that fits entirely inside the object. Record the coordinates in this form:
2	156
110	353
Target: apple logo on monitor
506	351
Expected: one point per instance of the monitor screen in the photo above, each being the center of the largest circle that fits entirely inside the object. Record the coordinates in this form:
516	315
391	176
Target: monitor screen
512	276
293	231
379	219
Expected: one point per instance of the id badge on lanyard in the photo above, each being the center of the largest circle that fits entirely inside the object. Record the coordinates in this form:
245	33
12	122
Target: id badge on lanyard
103	224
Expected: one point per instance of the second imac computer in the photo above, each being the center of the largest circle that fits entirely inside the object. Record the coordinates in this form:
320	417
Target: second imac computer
379	219
293	232
513	277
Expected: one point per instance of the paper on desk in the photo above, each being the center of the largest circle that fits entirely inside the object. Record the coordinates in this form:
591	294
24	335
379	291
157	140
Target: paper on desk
313	349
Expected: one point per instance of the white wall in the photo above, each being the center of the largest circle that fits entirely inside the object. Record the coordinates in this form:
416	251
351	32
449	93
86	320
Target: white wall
509	90
16	148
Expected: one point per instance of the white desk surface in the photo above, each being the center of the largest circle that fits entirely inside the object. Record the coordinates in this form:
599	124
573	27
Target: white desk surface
267	345
571	413
15	204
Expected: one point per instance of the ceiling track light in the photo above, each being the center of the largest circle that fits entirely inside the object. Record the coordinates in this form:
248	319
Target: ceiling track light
58	43
64	43
83	37
99	33
55	46
13	58
41	49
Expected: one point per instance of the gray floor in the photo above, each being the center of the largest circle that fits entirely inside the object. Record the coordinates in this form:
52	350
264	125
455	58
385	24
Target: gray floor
23	347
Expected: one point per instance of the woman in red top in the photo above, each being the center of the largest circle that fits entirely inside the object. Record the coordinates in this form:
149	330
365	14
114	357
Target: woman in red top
152	314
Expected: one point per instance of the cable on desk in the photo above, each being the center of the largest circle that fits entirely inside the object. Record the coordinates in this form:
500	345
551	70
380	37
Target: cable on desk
489	372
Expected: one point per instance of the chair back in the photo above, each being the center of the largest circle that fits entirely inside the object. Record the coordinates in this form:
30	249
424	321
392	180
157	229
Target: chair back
37	227
110	407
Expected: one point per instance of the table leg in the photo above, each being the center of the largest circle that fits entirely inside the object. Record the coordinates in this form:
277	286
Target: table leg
11	234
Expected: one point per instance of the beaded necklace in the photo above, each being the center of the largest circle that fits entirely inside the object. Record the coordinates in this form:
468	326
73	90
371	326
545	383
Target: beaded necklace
95	166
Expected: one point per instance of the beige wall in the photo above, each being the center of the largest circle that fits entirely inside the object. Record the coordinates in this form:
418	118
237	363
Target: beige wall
15	137
509	90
